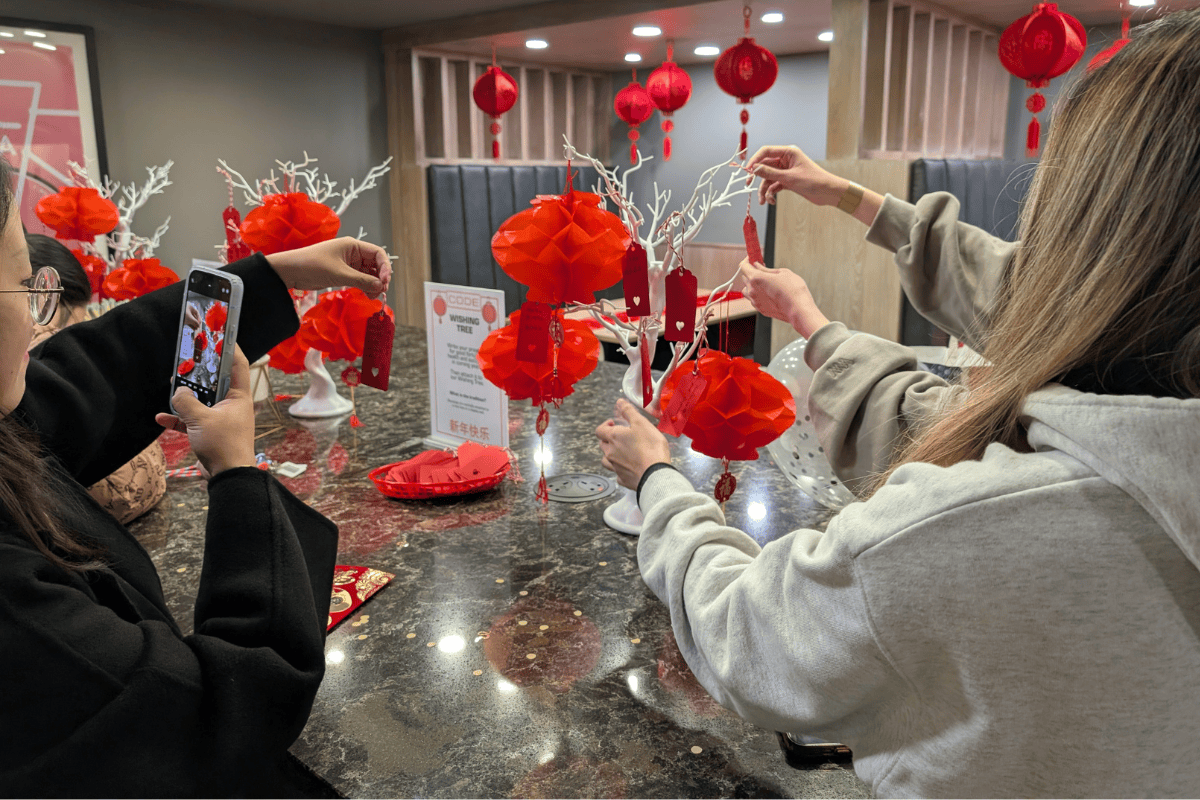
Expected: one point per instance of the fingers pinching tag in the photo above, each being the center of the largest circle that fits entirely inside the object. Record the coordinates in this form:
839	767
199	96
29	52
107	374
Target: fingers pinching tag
680	312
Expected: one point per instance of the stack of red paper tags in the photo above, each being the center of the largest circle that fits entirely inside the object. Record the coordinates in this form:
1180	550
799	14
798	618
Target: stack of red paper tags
440	473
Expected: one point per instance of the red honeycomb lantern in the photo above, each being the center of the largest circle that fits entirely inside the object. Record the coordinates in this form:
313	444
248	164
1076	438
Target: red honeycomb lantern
495	92
1039	46
745	71
634	106
669	88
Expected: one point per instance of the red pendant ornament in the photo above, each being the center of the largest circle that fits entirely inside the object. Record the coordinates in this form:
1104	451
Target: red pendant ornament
669	88
742	408
288	221
548	382
136	277
564	248
495	93
1102	58
235	248
680	313
78	213
635	280
1039	46
745	71
634	106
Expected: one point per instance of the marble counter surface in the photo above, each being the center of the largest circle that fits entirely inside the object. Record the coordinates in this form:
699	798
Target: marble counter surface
517	652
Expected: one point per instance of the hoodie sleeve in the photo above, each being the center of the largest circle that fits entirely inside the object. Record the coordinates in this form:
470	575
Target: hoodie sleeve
781	635
949	270
866	394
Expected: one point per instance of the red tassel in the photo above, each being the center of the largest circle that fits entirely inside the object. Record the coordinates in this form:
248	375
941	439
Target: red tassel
742	146
633	152
647	382
355	422
543	491
666	148
496	149
1032	139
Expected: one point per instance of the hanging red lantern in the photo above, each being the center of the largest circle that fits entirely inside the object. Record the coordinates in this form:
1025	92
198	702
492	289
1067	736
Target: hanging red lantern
742	408
288	221
337	324
669	88
1102	58
1039	46
94	266
540	383
634	106
565	248
78	213
288	356
745	71
136	277
495	92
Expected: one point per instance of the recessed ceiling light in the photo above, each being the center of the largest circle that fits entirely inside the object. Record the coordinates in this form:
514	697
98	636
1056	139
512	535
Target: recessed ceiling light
772	17
647	30
707	50
35	34
536	44
44	46
633	57
1141	3
825	36
6	34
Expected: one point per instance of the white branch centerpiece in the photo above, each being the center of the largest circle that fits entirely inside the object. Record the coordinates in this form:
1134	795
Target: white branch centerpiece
663	236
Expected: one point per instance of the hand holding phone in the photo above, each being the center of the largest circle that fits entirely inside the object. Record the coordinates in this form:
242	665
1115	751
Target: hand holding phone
221	437
208	322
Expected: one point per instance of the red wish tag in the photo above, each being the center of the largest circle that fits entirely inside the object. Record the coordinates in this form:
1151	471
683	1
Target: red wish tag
647	381
353	586
533	336
635	280
479	460
687	394
377	351
753	250
680	313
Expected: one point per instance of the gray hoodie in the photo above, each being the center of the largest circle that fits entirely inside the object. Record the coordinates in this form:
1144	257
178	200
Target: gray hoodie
1023	625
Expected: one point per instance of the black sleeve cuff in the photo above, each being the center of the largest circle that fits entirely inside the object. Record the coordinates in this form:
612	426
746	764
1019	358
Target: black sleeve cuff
650	470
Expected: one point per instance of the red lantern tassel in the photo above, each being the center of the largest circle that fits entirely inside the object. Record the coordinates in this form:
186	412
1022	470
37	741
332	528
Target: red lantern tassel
1032	138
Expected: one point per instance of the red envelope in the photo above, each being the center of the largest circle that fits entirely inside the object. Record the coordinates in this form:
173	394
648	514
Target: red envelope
353	586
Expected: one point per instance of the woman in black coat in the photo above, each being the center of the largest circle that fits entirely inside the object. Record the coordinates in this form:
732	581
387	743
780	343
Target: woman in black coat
102	693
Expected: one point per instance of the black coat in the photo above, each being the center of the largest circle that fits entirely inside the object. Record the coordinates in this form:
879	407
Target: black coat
102	693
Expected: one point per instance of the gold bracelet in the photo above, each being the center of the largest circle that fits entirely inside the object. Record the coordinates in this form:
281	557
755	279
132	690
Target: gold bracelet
851	198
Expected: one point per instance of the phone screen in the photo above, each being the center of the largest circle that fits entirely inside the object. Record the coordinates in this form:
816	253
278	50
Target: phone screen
202	340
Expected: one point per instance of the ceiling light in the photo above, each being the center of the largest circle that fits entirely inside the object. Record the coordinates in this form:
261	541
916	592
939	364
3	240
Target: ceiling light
633	57
536	44
35	34
1141	3
647	30
825	36
707	50
771	17
6	34
44	46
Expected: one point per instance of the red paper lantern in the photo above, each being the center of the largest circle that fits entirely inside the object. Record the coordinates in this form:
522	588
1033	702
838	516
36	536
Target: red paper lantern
337	324
741	409
745	71
495	92
669	88
136	277
78	213
541	383
287	222
1102	58
1039	46
288	356
564	248
634	106
93	266
216	317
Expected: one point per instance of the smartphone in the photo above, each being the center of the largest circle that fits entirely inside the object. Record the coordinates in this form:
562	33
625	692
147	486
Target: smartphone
208	322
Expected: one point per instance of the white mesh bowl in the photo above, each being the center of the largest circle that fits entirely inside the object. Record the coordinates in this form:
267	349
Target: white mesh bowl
797	452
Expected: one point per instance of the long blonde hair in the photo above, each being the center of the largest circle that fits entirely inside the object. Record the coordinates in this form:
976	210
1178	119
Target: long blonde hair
1108	270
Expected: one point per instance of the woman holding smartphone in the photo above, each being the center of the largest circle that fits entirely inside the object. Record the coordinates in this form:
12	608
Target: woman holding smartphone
1014	609
103	694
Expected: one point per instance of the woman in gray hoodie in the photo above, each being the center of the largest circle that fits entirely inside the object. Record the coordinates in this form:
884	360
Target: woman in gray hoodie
1014	608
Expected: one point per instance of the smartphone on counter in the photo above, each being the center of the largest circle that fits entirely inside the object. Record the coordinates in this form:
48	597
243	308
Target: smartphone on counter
208	322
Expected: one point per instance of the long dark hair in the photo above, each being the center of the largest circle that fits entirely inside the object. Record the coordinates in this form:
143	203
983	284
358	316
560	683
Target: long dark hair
27	486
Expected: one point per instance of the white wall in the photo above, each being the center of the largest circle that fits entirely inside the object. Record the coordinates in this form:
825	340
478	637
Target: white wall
707	129
196	84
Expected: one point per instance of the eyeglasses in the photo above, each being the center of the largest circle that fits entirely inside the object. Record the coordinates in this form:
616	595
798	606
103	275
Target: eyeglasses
44	291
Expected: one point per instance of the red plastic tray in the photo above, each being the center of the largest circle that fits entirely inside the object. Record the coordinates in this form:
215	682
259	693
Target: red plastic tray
425	491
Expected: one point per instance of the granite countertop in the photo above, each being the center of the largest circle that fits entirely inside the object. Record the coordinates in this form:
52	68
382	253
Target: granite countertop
430	688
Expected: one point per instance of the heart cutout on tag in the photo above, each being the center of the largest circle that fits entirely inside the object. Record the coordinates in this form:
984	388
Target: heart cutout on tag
375	372
637	301
679	325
